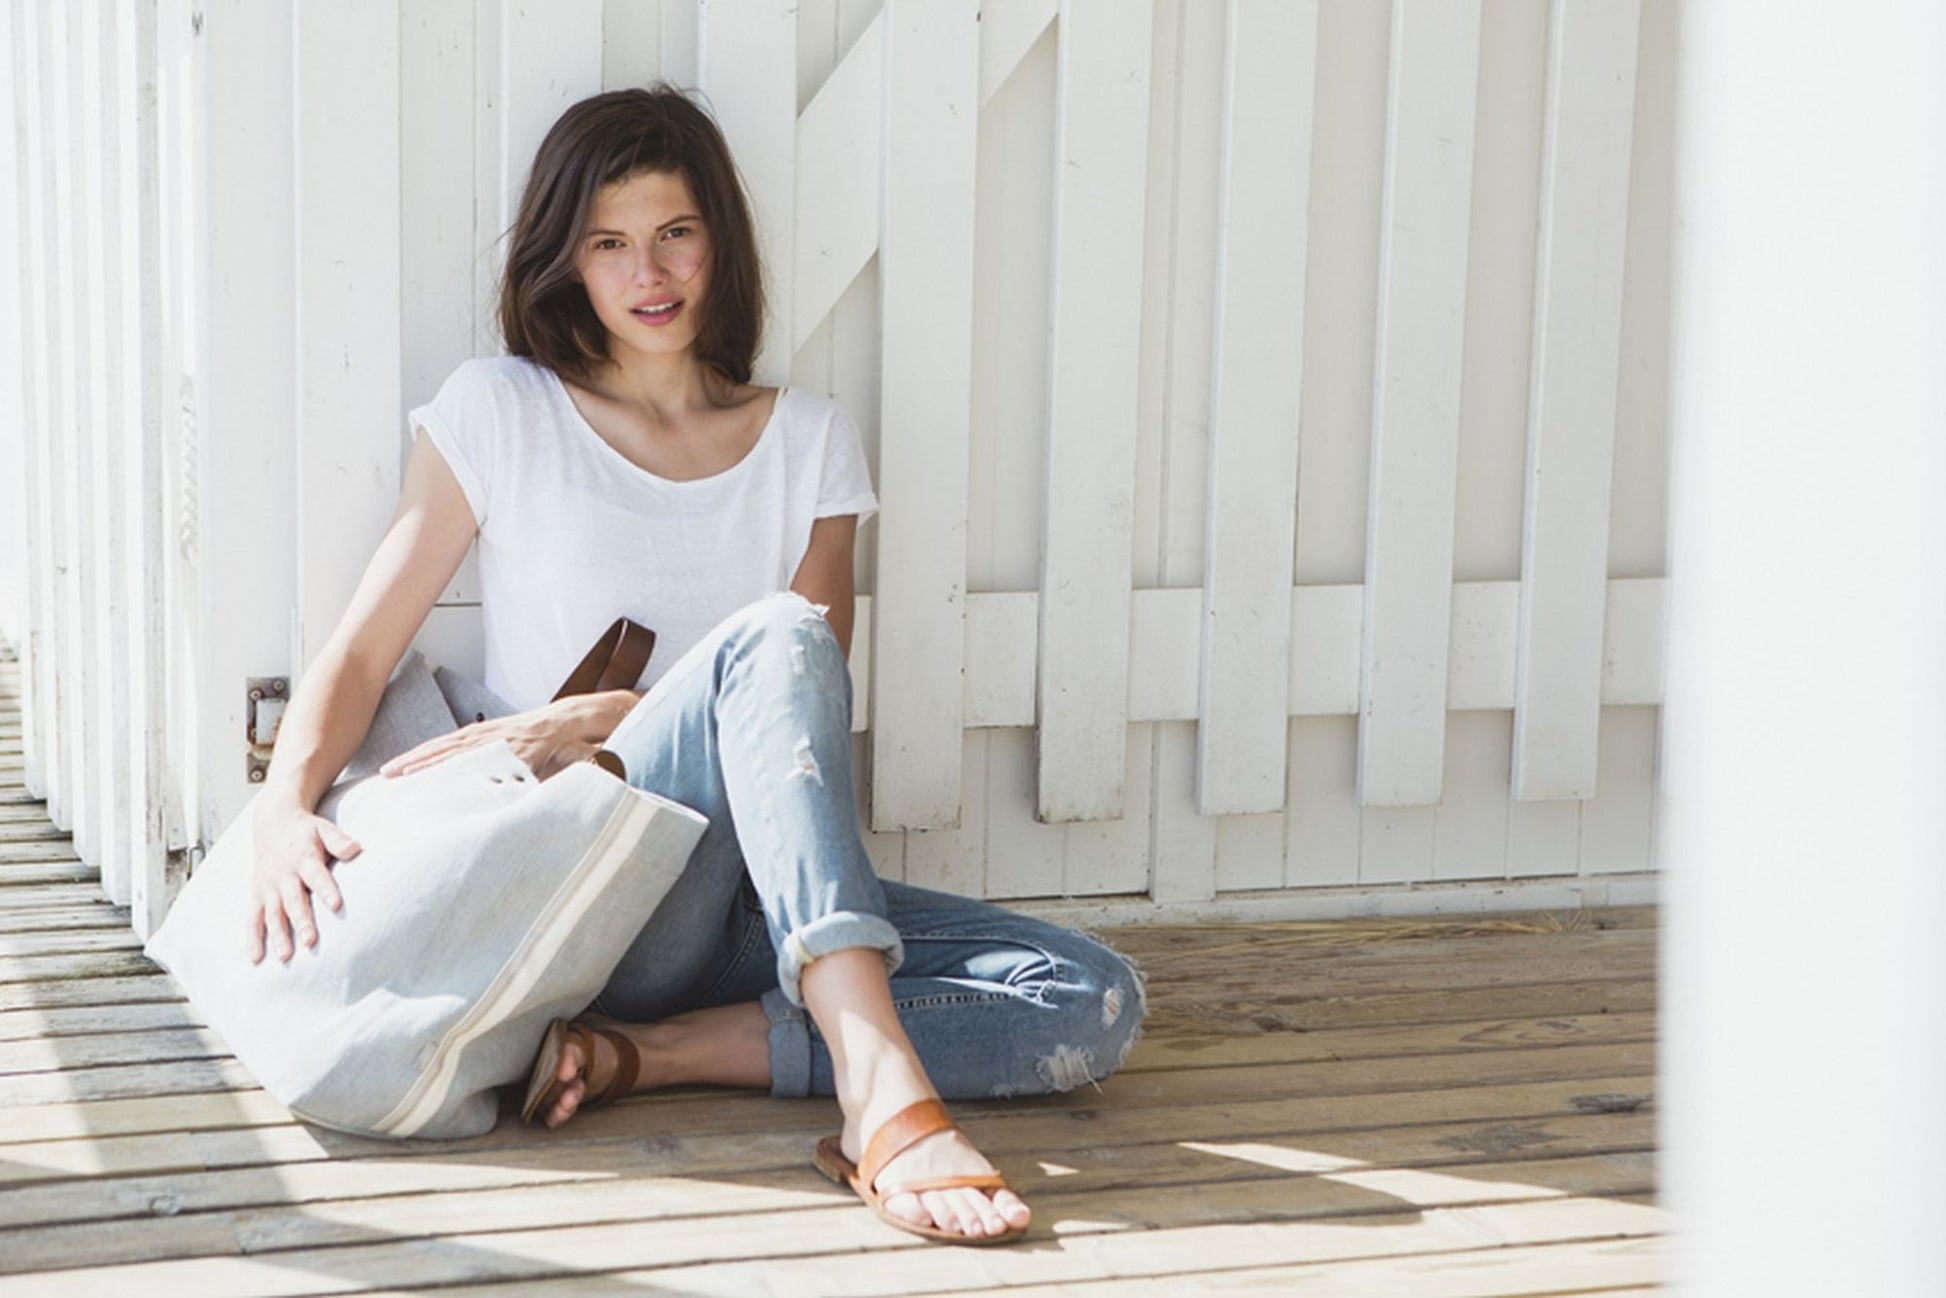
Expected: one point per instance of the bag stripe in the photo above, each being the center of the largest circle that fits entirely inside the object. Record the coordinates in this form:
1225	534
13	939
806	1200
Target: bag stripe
578	894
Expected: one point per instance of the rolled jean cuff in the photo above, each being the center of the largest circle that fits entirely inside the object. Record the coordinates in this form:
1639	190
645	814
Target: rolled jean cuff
790	1047
837	931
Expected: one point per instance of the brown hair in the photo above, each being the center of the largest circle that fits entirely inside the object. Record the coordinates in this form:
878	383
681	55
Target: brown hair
544	310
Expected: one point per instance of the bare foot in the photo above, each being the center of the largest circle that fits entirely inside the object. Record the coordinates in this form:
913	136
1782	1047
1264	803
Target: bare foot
578	1077
964	1210
726	1045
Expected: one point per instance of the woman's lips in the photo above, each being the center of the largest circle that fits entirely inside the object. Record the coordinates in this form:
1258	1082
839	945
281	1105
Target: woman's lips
658	315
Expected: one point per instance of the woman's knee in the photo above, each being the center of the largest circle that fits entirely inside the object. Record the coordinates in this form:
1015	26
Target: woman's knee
787	632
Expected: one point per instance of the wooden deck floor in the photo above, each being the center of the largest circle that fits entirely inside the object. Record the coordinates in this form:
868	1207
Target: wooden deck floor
1383	1108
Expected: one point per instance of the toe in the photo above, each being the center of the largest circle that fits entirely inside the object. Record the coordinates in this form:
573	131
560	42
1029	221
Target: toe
909	1208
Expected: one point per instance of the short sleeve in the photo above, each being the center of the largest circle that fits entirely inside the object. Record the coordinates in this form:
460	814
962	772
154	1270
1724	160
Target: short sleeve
846	484
459	422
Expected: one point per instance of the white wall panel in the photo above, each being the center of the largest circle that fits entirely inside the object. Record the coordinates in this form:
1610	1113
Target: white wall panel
349	301
1415	400
1094	337
1571	411
931	72
1253	444
1294	394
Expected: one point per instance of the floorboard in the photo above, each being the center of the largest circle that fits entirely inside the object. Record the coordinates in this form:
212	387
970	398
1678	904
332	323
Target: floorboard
1401	1108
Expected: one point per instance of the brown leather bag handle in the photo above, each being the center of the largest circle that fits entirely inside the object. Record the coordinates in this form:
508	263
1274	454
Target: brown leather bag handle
615	662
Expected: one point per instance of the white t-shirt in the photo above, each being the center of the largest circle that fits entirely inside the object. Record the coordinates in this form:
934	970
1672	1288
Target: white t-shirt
574	535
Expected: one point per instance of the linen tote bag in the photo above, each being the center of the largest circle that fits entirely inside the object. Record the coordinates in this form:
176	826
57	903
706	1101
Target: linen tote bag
485	904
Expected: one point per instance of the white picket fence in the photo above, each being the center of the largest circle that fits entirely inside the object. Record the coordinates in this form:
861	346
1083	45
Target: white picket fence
1266	398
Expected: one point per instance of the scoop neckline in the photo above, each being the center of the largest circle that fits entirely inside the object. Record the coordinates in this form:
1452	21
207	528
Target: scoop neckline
581	421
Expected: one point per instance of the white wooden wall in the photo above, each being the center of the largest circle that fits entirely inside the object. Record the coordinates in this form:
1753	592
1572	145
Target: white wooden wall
1266	398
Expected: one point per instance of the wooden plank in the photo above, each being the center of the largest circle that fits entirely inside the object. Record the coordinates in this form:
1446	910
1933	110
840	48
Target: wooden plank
29	1024
1618	824
841	138
468	1199
349	291
101	1119
34	685
1008	29
1518	1271
955	860
631	44
338	1184
1270	65
1470	826
159	612
532	62
22	494
999	657
1571	411
1095	341
1543	839
1323	821
747	65
1025	857
926	305
245	553
24	898
1415	404
125	1082
60	1054
1636	635
439	191
110	302
1225	1226
49	433
44	872
43	968
69	941
1111	857
1325	633
1245	1011
1181	1049
82	992
54	919
1336	400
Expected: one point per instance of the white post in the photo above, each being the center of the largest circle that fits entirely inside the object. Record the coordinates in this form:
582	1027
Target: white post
1806	718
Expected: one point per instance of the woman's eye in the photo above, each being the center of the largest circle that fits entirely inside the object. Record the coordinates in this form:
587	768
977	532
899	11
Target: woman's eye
675	231
602	245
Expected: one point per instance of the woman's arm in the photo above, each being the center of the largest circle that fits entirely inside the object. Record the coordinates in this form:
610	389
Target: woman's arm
333	704
825	575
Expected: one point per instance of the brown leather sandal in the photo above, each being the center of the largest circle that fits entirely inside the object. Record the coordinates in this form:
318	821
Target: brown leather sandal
544	1085
901	1132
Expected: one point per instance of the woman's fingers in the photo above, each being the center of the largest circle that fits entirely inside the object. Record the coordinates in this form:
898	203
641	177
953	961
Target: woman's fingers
425	754
297	906
257	929
316	876
272	922
337	842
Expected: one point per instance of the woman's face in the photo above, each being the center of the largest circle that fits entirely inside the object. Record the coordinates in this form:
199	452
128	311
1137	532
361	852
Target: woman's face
645	263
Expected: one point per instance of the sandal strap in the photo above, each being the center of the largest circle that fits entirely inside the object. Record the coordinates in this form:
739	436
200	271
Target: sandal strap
988	1181
901	1132
628	1061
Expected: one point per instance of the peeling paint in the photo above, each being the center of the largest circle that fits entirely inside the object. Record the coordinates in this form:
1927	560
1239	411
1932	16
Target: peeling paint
1111	1006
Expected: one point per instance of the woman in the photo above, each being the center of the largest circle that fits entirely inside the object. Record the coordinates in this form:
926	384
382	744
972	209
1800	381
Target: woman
620	462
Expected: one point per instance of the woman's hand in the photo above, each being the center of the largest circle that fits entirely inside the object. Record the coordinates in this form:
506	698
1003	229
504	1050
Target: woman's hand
294	851
548	738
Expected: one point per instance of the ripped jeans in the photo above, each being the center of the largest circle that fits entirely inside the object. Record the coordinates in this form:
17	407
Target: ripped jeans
752	728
